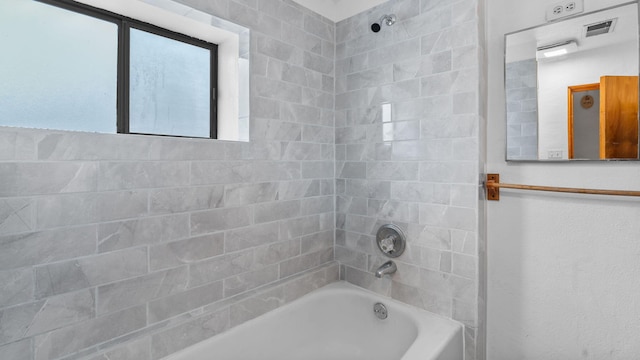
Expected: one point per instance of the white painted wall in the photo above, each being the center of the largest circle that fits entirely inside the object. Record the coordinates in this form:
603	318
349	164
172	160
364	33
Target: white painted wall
563	270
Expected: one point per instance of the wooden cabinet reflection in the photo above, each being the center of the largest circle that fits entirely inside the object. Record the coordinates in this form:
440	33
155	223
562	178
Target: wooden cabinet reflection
615	130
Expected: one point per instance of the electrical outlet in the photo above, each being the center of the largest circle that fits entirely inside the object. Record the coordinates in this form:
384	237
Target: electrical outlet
554	154
564	9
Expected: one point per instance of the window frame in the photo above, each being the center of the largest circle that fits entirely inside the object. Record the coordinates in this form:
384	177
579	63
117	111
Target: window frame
124	24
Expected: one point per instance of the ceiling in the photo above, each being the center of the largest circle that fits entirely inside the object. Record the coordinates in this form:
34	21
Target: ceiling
337	10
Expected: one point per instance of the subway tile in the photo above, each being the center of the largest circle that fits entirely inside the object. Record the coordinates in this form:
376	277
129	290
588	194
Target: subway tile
183	199
203	173
136	291
302	285
55	146
360	224
59	311
122	205
291	34
448	172
421	192
142	231
316	242
275	89
275	48
257	21
20	179
167	148
220	267
181	336
216	172
282	11
246	281
448	216
220	219
368	281
393	210
137	175
296	227
250	308
290	190
17	286
305	261
301	151
66	210
351	257
240	239
184	301
187	251
464	265
259	149
407	294
426	23
266	212
16	215
316	205
464	242
62	277
353	170
392	170
324	100
70	339
374	189
465	312
318	28
317	169
245	194
318	134
435	238
276	130
16	145
138	349
274	253
46	246
19	350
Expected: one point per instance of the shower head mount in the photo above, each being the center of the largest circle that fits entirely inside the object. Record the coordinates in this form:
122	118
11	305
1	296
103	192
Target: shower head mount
385	19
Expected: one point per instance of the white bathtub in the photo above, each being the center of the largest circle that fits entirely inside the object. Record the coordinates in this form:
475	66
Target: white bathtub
335	322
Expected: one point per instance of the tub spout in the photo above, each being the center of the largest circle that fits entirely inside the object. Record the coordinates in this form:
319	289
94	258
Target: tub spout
387	268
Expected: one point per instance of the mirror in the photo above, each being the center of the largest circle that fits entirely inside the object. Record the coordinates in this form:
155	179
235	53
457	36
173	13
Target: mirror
571	88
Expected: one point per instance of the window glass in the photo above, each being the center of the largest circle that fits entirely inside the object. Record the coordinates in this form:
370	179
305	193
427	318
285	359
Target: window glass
169	86
58	68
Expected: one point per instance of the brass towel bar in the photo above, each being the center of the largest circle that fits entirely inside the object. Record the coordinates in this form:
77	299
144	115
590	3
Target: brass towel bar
493	186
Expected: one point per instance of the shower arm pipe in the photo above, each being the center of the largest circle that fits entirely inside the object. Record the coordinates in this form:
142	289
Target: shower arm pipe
493	186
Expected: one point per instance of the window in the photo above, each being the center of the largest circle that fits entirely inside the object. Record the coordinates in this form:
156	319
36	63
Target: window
77	67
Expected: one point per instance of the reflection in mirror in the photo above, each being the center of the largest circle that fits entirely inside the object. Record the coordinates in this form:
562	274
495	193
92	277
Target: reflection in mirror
572	88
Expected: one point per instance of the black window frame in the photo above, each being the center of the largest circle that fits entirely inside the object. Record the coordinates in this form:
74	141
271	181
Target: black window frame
124	25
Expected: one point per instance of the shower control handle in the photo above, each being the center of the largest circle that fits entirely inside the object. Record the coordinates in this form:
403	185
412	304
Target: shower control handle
391	240
387	244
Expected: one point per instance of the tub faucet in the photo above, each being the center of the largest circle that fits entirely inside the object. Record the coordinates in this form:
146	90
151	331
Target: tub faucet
387	268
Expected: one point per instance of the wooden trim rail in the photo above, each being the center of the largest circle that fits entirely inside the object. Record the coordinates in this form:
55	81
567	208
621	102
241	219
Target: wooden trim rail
493	186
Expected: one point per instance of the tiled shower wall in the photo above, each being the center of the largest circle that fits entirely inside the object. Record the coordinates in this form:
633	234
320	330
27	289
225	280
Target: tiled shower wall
408	119
116	246
522	109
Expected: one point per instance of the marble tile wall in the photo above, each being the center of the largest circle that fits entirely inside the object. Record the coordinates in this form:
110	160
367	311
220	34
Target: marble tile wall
522	109
409	114
123	246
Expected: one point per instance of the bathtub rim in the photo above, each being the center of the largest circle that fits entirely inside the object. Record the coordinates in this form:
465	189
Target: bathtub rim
416	350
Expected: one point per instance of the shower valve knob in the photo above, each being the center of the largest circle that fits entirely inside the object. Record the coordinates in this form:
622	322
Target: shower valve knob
390	240
387	244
